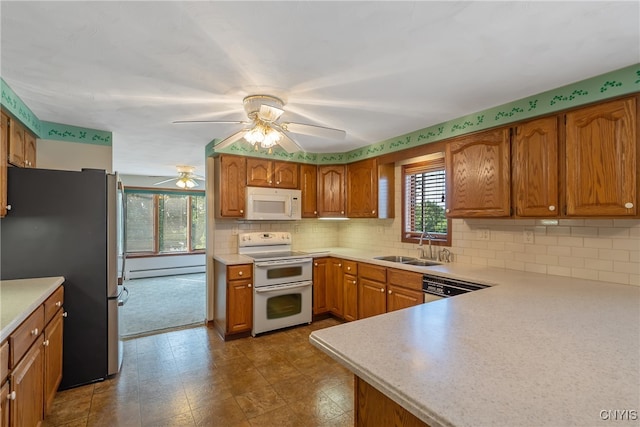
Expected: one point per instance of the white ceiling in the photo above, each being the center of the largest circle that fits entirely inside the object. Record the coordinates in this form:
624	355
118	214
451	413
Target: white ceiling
374	69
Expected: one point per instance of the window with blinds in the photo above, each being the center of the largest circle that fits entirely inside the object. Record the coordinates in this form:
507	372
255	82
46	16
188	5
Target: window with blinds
424	201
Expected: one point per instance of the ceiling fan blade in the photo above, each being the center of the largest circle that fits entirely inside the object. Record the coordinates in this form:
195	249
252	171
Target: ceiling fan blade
288	144
313	130
269	113
230	139
165	181
237	122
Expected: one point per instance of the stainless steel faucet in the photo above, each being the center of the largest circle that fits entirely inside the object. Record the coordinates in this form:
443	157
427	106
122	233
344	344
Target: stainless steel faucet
430	237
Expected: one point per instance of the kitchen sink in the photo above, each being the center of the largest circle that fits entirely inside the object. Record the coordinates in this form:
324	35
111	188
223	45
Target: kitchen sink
396	258
407	260
422	262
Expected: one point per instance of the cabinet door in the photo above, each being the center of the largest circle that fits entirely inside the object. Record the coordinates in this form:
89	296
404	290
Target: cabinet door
309	189
232	183
372	298
362	189
4	151
4	405
52	359
331	201
16	143
259	172
29	150
350	289
321	274
535	168
335	287
240	305
399	297
600	165
27	383
285	174
478	175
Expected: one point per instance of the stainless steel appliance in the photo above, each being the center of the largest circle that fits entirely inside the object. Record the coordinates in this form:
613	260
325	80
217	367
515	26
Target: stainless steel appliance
282	281
272	204
69	223
437	287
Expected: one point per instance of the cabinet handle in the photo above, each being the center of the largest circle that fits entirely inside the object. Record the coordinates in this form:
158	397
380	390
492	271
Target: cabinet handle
45	343
241	211
381	289
277	182
34	332
315	264
248	285
12	395
65	314
447	210
315	212
58	304
270	182
389	291
628	205
340	265
239	273
354	282
373	211
8	207
342	212
552	208
349	268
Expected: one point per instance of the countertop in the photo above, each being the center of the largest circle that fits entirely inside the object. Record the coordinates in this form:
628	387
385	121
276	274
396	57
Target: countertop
533	350
20	297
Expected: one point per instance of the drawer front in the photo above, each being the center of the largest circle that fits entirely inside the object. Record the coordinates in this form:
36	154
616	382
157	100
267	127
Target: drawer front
373	272
406	279
53	304
22	338
242	271
350	267
4	361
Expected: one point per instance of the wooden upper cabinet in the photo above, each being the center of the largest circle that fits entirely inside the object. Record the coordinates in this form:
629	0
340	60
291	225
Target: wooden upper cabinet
29	150
309	189
362	189
535	168
478	175
16	143
231	174
269	173
601	160
4	141
331	191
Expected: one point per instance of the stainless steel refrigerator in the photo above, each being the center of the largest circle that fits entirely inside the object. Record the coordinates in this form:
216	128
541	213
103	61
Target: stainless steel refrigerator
71	224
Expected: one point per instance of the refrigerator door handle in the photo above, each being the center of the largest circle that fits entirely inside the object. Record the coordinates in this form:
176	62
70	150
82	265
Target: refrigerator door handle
123	301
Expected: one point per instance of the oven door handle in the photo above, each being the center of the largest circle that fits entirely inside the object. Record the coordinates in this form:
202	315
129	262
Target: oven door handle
283	262
267	289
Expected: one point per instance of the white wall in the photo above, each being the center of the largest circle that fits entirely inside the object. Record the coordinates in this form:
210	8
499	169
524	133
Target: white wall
61	155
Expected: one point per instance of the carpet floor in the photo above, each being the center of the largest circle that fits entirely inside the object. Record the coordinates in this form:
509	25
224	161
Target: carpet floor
159	303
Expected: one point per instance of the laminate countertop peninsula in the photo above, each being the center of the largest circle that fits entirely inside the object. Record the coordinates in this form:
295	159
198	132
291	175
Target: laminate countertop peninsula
20	297
533	350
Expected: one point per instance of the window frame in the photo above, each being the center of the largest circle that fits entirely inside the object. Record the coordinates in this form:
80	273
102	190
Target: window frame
440	239
157	193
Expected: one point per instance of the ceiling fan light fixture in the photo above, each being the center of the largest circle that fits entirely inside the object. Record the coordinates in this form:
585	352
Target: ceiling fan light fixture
263	134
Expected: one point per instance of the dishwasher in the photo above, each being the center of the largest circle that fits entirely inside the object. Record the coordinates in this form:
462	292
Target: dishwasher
437	287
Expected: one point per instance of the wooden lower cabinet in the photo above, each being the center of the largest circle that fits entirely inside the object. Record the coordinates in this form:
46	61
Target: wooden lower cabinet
335	287
350	287
374	409
5	403
404	289
52	358
321	276
233	290
372	298
27	381
240	293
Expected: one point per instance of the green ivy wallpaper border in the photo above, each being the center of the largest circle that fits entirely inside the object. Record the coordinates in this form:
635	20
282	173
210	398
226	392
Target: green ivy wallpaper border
14	105
609	85
68	133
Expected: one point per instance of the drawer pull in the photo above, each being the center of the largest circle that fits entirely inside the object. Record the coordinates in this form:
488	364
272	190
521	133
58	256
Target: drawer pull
59	304
34	332
628	205
249	285
12	395
552	208
239	273
315	264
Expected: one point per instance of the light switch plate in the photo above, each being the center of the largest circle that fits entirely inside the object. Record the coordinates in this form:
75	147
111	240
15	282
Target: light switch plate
483	234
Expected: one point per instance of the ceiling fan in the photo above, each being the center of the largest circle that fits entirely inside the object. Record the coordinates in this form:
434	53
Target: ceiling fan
264	128
185	179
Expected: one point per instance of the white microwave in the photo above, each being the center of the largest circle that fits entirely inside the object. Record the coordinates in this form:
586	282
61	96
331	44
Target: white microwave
272	204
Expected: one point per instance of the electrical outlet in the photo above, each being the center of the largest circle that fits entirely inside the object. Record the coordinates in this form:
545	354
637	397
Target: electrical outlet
527	237
234	230
483	234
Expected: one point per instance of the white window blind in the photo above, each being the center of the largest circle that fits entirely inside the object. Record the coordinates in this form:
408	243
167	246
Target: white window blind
425	199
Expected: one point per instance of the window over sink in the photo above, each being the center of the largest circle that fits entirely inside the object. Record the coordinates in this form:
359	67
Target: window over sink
423	202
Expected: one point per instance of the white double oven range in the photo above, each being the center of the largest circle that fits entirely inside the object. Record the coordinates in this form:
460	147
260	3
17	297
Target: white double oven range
282	281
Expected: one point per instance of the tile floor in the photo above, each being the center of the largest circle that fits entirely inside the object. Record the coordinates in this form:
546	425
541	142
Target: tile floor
191	377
